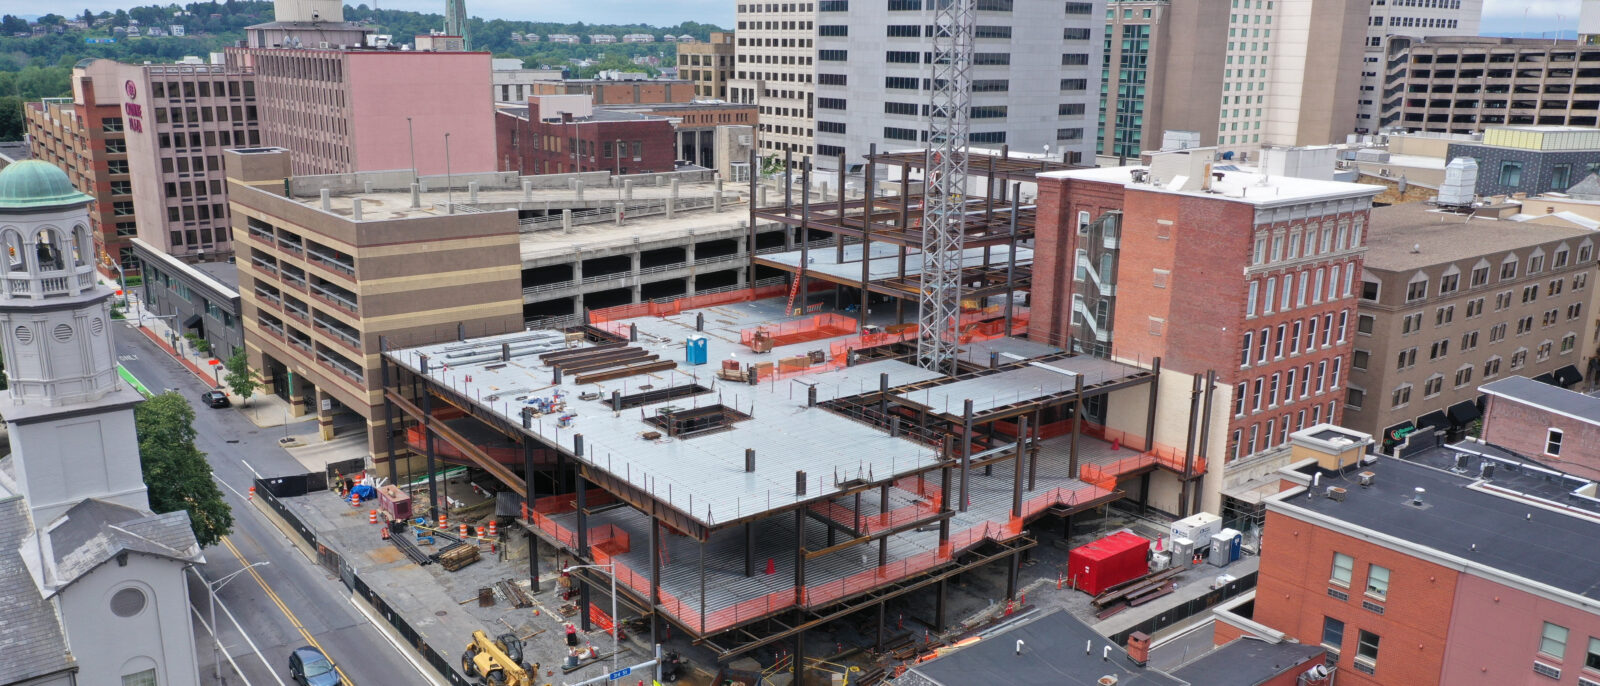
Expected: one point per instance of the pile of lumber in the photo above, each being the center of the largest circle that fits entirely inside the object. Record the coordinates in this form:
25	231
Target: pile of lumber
458	555
1136	592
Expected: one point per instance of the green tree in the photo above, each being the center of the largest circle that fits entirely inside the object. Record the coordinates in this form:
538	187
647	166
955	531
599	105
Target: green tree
51	19
175	471
87	18
239	378
11	128
12	25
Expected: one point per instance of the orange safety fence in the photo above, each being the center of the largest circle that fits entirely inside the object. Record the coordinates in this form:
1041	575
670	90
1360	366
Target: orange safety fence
1166	456
873	523
815	327
612	316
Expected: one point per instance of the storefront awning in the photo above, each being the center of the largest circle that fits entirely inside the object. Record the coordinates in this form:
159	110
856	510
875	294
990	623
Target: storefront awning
1568	375
192	321
1547	377
1435	420
1464	412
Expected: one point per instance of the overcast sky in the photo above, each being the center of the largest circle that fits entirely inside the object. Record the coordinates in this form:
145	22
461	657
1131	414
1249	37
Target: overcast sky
1499	15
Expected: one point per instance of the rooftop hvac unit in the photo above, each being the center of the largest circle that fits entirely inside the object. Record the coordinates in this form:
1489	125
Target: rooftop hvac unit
1460	182
323	45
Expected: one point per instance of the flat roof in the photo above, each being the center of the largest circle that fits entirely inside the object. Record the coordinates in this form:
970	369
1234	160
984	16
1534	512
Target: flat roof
1239	184
1546	397
1464	522
520	111
1512	473
1247	662
223	272
1017	385
1049	655
885	261
395	203
702	476
1444	237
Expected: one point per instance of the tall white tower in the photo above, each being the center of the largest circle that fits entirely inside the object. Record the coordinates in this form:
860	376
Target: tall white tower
69	415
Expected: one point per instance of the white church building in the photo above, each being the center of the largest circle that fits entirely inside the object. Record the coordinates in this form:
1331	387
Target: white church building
92	587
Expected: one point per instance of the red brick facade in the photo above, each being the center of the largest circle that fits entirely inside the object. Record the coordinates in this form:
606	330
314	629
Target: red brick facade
532	146
1185	271
1527	429
1294	594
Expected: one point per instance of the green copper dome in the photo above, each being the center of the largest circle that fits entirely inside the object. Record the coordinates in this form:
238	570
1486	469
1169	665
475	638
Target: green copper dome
32	184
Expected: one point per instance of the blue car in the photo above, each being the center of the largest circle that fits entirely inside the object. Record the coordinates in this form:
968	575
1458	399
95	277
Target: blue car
309	667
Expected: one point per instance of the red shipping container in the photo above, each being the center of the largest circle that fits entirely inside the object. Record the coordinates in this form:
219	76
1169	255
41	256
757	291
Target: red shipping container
1109	561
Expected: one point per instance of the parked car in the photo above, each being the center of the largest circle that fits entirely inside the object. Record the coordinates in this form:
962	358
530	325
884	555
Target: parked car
309	667
215	398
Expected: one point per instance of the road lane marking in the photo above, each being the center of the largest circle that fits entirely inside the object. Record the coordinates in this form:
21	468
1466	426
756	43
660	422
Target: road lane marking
252	469
240	627
199	618
293	620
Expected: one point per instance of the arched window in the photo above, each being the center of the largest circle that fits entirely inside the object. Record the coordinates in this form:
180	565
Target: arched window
82	246
47	248
14	255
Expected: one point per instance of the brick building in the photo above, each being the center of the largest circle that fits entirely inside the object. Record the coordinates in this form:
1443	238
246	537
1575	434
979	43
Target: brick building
345	111
1249	275
1448	301
633	92
179	118
695	126
85	137
559	134
1548	424
1409	574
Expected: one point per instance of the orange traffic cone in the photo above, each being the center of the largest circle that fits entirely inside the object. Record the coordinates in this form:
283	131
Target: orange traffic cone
252	495
355	500
494	531
463	531
442	523
480	532
372	516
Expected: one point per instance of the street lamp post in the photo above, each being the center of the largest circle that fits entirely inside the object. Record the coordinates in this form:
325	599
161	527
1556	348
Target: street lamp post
449	188
612	570
618	150
412	139
211	590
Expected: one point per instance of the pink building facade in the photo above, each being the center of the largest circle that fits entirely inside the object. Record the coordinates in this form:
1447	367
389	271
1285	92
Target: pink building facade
344	111
1499	636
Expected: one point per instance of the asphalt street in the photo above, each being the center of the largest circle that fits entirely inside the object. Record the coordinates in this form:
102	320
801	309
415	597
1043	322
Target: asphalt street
268	610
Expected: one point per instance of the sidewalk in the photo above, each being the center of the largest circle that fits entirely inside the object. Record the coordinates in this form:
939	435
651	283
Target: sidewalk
263	409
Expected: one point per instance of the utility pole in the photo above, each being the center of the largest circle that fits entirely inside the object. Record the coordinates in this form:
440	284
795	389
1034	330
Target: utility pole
944	200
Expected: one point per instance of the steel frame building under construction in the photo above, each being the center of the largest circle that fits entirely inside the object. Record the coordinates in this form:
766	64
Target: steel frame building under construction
748	497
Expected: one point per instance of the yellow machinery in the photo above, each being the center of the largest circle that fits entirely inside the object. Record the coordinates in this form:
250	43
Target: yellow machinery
497	662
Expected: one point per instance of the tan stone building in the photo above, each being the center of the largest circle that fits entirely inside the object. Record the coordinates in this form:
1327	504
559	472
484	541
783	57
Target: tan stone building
1450	301
323	281
709	65
85	137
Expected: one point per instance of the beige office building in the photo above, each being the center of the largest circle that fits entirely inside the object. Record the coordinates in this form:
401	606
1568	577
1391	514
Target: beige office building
1467	84
774	70
709	65
322	282
1242	74
1450	301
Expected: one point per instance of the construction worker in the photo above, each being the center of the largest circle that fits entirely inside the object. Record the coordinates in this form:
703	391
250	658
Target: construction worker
572	635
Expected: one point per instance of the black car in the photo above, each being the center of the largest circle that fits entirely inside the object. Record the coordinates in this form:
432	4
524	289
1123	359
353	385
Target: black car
215	398
309	667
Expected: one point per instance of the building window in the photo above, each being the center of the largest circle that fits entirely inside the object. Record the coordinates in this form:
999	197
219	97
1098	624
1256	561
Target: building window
1417	289
1553	640
144	678
1354	397
1401	396
1552	442
1343	565
1592	660
1367	649
1377	581
1333	633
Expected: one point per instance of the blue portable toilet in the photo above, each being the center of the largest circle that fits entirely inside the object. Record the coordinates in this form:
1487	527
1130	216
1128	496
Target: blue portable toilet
695	350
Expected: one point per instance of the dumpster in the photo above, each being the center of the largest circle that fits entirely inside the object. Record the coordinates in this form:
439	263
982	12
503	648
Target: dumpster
1109	561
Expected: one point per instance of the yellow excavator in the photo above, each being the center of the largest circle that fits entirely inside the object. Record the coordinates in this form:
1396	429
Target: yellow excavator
497	661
